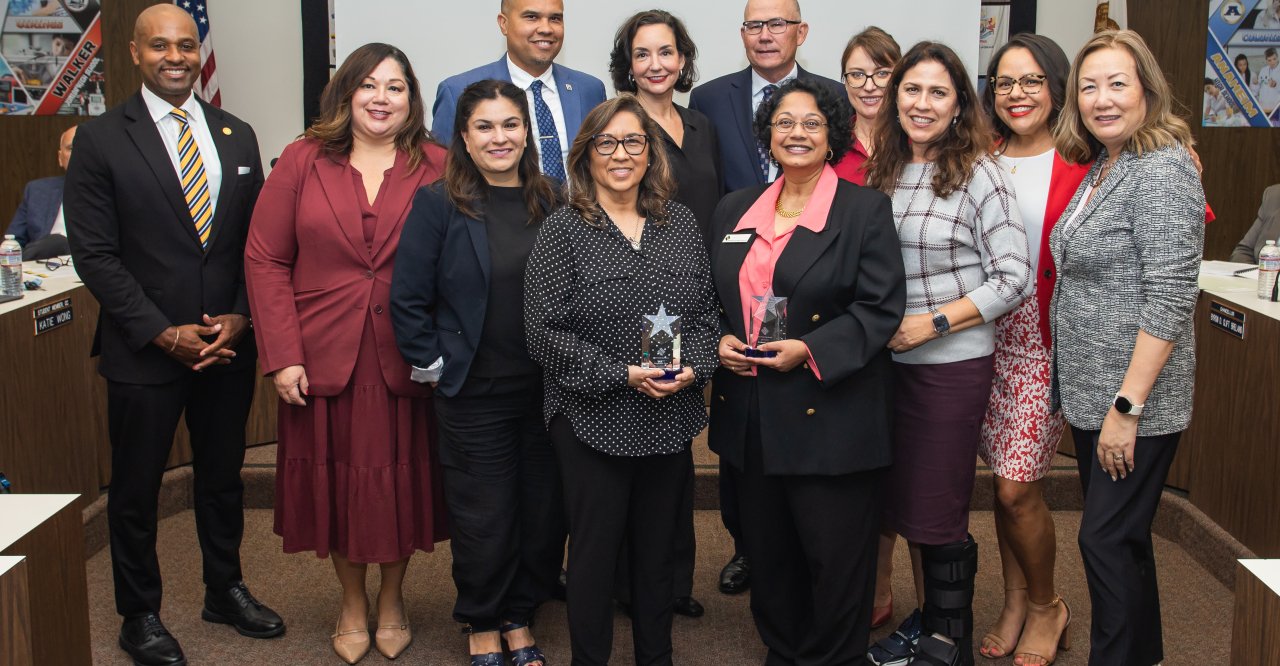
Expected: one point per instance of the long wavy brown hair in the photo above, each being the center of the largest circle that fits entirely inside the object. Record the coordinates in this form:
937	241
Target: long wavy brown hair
657	186
463	181
955	153
333	128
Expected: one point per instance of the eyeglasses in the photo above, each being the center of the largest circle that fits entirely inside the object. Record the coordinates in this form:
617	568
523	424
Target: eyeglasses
1030	84
55	263
776	25
607	144
785	125
856	78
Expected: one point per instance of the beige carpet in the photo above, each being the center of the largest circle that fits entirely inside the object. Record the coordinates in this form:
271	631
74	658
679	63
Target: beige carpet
1197	609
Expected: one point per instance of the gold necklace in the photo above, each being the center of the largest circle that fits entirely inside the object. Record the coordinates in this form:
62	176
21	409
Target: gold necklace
635	242
787	214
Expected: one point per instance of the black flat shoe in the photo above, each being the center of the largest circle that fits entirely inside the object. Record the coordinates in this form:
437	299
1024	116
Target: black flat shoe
688	607
149	643
237	607
735	577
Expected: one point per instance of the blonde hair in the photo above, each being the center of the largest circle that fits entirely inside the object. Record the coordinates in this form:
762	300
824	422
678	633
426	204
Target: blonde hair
1160	129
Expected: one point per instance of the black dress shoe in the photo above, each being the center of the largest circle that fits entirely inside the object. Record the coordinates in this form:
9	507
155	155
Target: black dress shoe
237	607
689	607
149	643
735	577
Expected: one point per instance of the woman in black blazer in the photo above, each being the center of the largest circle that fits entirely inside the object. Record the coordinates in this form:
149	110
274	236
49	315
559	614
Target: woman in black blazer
808	427
456	304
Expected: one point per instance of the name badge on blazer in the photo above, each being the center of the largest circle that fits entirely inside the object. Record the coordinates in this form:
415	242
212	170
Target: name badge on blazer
736	238
240	171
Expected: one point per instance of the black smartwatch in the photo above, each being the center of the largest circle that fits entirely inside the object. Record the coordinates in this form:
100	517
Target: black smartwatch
940	324
1127	406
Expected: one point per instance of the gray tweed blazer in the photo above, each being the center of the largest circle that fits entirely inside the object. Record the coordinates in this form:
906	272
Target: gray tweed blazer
1129	261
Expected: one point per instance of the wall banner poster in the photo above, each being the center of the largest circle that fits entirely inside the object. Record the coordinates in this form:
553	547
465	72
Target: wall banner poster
51	58
1242	64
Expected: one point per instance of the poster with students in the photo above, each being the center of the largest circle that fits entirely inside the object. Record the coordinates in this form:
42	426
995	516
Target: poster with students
1242	64
51	58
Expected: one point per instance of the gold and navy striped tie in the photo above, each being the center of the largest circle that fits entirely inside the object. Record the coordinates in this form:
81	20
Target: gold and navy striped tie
195	185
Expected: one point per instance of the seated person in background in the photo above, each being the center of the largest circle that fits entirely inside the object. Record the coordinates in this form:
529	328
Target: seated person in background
40	212
1266	227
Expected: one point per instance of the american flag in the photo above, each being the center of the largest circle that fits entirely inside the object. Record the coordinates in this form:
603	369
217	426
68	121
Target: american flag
207	86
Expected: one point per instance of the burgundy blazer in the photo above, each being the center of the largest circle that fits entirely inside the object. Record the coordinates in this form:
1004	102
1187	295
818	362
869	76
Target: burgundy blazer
312	279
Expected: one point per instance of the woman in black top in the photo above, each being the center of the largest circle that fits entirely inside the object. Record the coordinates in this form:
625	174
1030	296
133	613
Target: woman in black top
621	253
652	58
455	304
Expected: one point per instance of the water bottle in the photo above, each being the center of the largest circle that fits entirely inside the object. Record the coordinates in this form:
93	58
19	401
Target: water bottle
10	267
1268	269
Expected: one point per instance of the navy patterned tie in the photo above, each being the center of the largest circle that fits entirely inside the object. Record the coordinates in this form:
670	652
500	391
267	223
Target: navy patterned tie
549	139
762	149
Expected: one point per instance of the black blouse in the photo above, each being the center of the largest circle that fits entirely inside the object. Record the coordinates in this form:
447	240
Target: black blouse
696	167
586	290
502	351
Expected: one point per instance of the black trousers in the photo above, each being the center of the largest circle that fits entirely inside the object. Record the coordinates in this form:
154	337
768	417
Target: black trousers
686	551
608	498
1115	542
812	541
730	512
142	419
502	487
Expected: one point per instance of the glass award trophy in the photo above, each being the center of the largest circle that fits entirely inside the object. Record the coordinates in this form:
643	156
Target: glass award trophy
768	324
660	343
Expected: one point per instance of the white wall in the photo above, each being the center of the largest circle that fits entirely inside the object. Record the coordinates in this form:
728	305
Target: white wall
1067	22
443	44
258	46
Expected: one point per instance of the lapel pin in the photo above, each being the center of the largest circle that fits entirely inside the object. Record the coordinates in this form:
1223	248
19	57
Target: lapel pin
226	130
568	86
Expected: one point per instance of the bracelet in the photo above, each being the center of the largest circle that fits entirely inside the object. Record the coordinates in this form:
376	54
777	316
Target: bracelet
176	333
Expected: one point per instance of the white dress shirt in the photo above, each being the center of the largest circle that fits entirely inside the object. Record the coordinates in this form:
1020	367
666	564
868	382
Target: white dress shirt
757	96
1268	95
170	129
550	95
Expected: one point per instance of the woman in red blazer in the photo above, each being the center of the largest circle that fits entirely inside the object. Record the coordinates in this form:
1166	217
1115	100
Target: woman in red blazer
355	476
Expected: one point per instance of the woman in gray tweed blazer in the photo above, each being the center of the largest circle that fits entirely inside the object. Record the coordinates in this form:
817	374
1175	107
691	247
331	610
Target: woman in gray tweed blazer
1128	252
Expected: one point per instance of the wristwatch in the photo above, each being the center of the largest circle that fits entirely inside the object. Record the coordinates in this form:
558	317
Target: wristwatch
1126	406
940	324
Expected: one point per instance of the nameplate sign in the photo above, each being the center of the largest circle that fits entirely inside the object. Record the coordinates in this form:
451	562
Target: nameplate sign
52	315
1228	320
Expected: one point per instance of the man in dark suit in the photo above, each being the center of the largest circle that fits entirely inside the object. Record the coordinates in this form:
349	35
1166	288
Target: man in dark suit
772	31
559	97
158	199
40	212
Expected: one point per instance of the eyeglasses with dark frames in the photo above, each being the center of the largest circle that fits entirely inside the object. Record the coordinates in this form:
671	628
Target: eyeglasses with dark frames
856	78
786	125
607	144
1030	84
54	263
777	26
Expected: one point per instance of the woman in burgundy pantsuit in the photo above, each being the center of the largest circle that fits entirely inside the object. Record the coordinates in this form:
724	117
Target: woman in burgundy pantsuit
355	476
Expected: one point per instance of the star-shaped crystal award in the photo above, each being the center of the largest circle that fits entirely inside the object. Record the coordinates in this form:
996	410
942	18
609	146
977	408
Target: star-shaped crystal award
660	342
768	323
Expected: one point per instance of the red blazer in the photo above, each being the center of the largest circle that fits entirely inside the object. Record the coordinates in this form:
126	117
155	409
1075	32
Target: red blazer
1063	183
311	279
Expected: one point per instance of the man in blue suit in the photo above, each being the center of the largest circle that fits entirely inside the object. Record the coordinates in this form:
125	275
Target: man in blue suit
40	212
559	97
772	31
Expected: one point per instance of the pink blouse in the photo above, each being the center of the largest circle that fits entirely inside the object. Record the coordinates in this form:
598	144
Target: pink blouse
755	277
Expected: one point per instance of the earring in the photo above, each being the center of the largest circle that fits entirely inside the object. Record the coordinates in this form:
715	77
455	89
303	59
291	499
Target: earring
955	119
773	160
830	154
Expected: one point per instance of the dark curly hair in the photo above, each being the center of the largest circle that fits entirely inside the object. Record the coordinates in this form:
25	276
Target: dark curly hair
620	56
1050	57
834	108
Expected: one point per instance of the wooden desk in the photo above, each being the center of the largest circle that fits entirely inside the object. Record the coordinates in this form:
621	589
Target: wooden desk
47	530
1234	459
1255	635
53	421
15	621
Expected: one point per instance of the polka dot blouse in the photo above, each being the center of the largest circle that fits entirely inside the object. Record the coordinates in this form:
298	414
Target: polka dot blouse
586	292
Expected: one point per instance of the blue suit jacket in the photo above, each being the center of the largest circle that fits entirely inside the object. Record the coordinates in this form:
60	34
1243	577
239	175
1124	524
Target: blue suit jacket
579	93
727	102
39	208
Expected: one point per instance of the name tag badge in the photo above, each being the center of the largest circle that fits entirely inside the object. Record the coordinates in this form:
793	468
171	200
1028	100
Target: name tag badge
736	238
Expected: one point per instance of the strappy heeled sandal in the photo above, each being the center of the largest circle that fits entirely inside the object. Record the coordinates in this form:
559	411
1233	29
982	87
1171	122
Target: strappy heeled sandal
486	659
1064	636
526	655
996	640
